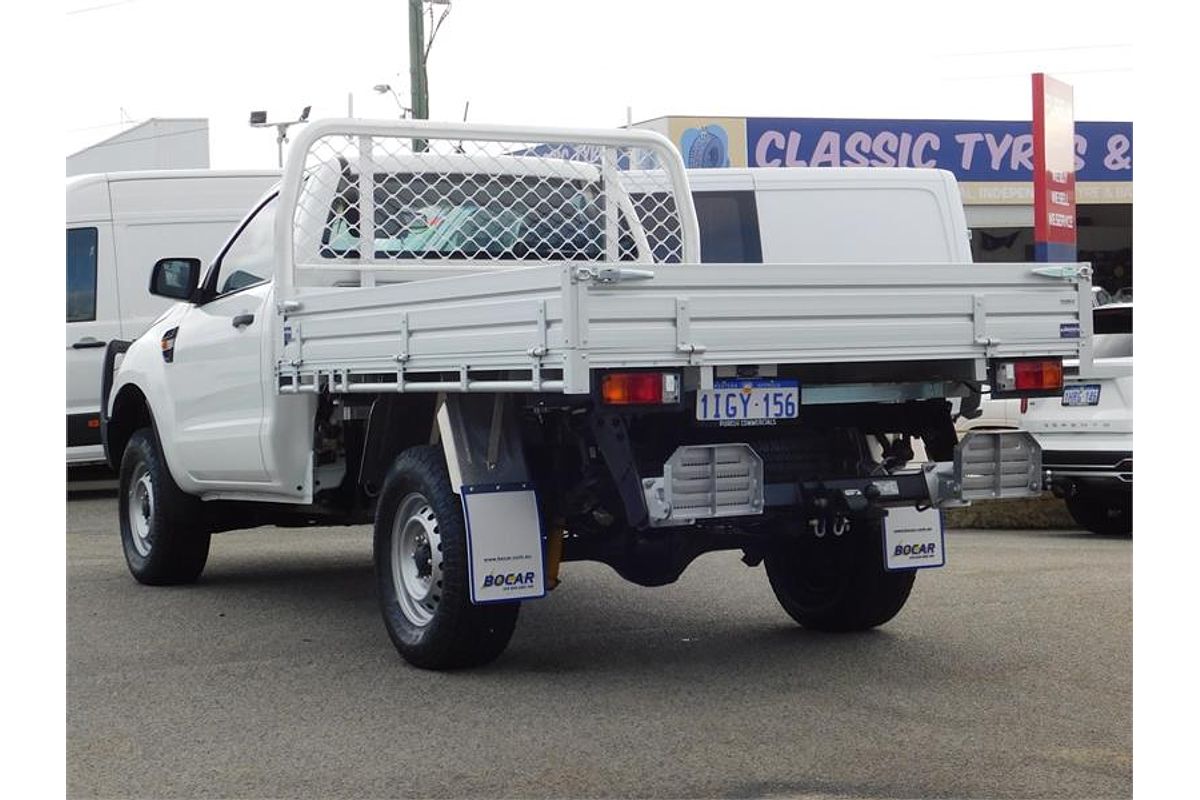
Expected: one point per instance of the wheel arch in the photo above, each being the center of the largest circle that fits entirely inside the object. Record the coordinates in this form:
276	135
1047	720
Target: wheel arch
130	412
396	422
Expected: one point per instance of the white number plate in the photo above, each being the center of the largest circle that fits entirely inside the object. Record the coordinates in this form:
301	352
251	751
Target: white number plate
735	400
1083	394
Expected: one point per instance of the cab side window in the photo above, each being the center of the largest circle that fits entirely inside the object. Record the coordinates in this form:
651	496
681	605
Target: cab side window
81	274
248	259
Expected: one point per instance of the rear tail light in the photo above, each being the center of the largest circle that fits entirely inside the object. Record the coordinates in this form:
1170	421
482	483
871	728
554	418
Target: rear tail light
639	388
1028	377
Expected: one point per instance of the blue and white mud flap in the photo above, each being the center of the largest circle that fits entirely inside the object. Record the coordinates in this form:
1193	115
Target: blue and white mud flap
913	539
505	551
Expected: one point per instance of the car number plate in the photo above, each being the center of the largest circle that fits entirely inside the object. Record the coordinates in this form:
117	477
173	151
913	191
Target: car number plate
739	400
1083	394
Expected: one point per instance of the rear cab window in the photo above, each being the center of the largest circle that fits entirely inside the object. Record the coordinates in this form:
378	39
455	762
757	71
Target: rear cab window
458	217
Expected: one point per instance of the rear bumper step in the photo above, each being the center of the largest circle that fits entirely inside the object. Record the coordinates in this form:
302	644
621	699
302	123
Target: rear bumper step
726	480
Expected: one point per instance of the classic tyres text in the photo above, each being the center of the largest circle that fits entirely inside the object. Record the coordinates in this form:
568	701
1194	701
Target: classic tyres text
162	532
421	570
837	583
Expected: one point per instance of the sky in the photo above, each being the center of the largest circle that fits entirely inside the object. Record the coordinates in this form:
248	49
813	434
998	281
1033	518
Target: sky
581	63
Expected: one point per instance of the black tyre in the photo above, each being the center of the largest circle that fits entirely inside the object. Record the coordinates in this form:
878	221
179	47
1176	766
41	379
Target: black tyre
837	583
421	570
162	529
1109	514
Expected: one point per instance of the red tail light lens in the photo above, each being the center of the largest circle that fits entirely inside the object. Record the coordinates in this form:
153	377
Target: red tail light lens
639	388
1030	376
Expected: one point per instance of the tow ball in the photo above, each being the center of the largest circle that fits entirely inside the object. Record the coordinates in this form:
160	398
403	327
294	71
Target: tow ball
831	511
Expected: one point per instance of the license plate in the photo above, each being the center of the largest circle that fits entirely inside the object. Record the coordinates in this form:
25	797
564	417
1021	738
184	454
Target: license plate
738	400
1083	394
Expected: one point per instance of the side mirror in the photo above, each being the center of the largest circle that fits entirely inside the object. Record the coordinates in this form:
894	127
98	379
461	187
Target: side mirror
176	278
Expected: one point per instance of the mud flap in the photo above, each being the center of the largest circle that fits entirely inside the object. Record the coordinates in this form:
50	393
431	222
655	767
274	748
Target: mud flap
505	554
913	539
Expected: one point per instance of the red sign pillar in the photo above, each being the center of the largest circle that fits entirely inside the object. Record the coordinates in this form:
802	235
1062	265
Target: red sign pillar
1053	169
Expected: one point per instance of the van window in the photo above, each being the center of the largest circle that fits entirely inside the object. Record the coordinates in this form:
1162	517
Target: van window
728	227
248	259
81	274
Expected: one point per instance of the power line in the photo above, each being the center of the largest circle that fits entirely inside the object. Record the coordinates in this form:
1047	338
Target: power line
105	125
98	8
1026	74
1037	50
112	143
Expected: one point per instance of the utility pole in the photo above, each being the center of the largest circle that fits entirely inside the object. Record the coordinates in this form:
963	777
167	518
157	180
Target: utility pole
416	59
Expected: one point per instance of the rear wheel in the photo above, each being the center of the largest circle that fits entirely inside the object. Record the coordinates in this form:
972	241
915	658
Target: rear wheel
837	583
1105	513
421	570
162	530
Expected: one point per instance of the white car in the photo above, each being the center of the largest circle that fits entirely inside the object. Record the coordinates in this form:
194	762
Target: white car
1086	434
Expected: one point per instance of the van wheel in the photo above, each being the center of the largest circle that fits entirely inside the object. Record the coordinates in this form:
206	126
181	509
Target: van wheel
837	583
162	532
421	570
1102	513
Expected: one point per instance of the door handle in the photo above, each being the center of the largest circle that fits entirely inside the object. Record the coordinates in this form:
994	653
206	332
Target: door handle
242	320
88	342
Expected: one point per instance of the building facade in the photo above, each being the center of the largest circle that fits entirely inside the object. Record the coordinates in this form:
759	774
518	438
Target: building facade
153	144
993	161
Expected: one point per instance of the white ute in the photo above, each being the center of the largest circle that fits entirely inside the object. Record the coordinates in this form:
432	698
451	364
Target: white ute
501	346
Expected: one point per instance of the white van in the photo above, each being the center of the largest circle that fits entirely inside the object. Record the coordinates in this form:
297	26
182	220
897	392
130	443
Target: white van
834	215
829	216
118	225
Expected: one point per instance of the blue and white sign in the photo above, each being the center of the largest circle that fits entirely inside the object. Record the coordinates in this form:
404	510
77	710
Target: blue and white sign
972	150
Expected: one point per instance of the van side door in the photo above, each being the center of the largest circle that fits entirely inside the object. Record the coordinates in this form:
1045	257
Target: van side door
93	318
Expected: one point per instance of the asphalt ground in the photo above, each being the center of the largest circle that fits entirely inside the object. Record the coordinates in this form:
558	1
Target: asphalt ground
1008	674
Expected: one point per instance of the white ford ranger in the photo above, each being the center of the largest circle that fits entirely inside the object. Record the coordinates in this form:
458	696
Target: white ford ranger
501	346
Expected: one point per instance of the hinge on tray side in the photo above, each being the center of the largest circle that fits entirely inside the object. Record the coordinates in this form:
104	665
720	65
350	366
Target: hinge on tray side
402	356
293	343
683	332
538	351
979	318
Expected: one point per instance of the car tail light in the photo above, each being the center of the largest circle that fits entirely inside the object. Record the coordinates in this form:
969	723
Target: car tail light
1029	377
639	388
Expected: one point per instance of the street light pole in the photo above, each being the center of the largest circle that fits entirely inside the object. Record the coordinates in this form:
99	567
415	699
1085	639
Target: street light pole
258	119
